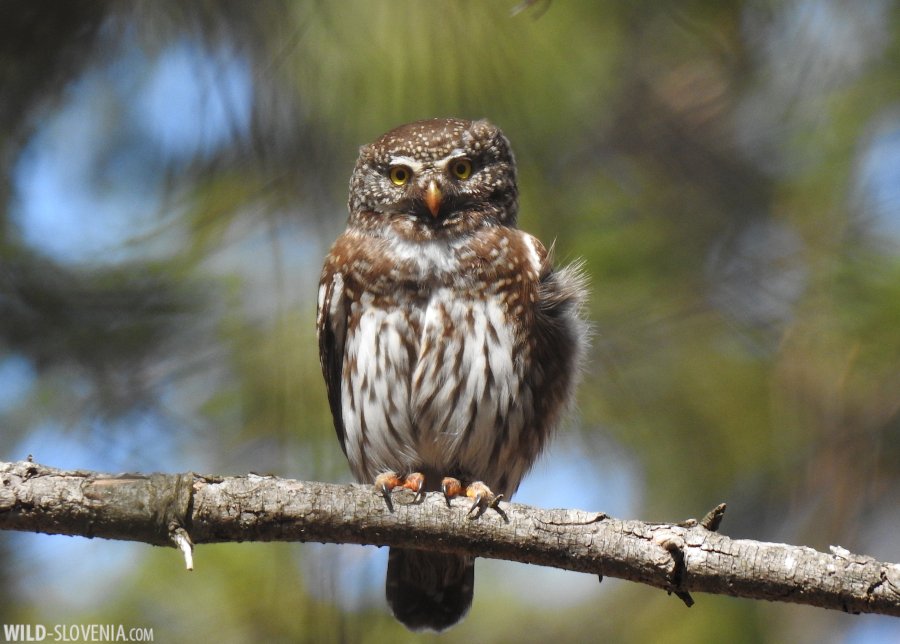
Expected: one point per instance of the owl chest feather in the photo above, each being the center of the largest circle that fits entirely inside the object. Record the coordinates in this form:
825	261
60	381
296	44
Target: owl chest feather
431	383
435	369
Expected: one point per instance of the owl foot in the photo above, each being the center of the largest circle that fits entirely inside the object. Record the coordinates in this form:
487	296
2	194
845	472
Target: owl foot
481	495
386	482
451	488
416	483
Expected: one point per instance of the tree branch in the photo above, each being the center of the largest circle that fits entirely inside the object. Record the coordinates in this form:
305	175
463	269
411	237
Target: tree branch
184	509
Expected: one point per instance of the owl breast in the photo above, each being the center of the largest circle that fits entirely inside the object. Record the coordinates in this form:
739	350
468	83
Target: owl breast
437	383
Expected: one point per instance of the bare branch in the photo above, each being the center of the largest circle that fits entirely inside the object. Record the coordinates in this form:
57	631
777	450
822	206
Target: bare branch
181	509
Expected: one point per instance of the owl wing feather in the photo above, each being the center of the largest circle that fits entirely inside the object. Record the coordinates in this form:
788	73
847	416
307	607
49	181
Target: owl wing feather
331	326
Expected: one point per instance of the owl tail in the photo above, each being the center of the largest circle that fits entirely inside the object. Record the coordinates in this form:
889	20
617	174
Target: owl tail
429	590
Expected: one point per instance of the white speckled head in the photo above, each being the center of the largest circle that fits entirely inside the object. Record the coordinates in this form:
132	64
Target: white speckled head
468	163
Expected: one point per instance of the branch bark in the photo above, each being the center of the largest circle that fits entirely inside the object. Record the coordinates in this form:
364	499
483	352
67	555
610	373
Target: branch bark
181	509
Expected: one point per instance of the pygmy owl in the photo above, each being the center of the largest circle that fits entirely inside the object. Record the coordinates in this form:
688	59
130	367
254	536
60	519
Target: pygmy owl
449	343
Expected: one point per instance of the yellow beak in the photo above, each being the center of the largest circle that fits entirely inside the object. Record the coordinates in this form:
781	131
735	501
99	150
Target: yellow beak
433	198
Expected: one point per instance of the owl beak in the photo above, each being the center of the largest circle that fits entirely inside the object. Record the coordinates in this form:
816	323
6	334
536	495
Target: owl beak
433	198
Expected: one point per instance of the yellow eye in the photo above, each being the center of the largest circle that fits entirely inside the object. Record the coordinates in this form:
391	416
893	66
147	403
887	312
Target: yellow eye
400	174
461	168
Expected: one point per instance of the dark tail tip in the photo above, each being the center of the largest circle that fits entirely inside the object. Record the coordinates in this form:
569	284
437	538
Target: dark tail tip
429	590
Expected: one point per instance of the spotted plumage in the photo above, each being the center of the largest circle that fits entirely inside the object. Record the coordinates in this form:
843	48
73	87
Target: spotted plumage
449	343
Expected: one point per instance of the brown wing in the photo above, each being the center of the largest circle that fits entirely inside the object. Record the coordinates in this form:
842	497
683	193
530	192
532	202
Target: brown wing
561	335
331	326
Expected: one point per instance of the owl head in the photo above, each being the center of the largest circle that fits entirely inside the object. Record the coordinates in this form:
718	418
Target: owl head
434	179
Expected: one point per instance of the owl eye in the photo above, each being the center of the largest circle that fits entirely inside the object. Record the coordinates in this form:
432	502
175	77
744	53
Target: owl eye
400	174
461	168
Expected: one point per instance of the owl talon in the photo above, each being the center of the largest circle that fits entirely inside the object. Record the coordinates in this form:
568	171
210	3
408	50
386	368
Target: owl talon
476	506
385	483
451	487
481	495
386	493
416	483
482	498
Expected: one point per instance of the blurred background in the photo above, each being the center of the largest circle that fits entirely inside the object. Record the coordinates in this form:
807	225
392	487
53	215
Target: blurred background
172	174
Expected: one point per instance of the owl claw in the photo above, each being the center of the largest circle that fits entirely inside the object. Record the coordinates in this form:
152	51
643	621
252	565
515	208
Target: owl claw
386	482
451	487
482	499
481	495
416	483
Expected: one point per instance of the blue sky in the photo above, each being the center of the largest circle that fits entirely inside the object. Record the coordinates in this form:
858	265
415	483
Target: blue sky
91	180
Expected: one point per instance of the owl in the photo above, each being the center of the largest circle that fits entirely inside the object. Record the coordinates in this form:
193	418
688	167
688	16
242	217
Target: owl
449	343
